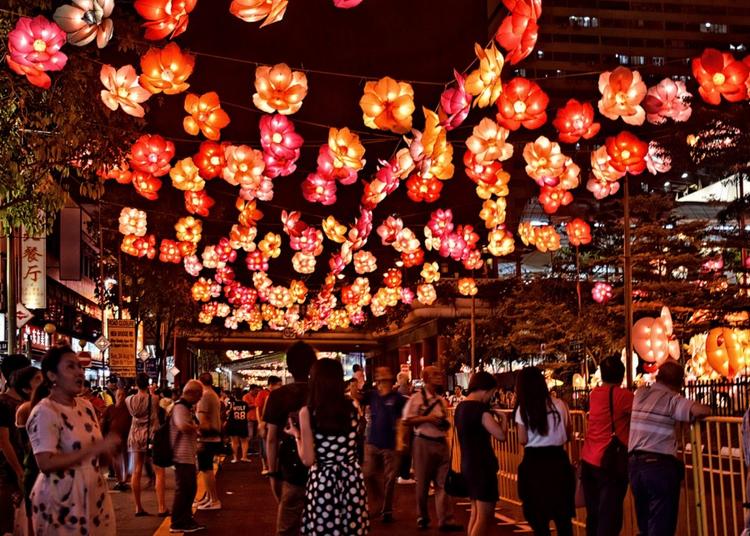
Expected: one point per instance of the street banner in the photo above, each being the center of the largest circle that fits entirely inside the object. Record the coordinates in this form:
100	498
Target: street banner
122	338
33	271
70	244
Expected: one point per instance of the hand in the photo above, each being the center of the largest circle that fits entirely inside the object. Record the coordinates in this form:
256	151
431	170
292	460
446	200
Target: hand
434	420
292	429
108	445
19	476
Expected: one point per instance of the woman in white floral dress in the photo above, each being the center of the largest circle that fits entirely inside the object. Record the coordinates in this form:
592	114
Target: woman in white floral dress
70	495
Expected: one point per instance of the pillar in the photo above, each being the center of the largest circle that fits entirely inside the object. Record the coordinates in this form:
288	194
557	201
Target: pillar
429	350
183	361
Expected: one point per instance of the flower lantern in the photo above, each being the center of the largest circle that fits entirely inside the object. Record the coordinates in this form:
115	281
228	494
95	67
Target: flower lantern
421	189
657	159
467	286
522	102
249	213
487	142
389	230
318	189
668	99
601	292
145	246
166	70
256	10
392	278
493	212
224	251
602	168
185	176
545	162
201	290
388	105
575	121
169	251
165	17
242	237
346	149
270	246
198	203
430	272
407	296
303	263
206	115
500	242
151	154
122	90
720	75
627	153
484	82
189	229
335	231
132	222
413	257
210	159
279	89
546	238
426	294
579	232
653	339
552	198
364	262
622	92
146	185
86	21
724	352
281	145
244	166
298	289
256	261
120	173
192	265
34	47
455	104
518	32
486	173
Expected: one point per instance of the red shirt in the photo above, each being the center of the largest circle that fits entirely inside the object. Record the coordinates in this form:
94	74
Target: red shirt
260	401
599	430
249	399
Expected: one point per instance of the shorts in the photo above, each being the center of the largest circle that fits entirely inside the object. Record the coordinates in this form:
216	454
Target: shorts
237	429
206	453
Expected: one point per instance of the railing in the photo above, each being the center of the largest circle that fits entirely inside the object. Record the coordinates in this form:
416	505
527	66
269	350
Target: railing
713	487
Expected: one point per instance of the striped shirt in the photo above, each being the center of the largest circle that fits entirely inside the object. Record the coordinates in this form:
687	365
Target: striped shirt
656	410
184	444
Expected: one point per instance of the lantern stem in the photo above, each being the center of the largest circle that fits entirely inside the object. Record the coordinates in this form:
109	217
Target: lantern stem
473	334
628	283
11	290
578	280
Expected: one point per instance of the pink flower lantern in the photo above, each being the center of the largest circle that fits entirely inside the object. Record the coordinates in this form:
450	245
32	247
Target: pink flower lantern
318	189
601	292
668	99
281	145
34	47
657	159
455	104
389	230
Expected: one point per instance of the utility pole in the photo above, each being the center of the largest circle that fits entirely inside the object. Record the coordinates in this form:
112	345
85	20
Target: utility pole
11	291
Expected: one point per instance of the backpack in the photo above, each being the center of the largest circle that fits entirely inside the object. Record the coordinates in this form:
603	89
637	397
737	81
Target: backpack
162	453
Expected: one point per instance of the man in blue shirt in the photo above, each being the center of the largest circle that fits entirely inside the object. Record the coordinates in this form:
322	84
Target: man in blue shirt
381	458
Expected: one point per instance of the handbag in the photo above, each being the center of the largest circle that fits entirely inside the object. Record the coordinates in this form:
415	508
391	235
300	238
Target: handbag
615	458
455	483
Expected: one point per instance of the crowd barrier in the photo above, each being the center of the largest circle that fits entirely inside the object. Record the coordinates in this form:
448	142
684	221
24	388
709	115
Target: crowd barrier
713	489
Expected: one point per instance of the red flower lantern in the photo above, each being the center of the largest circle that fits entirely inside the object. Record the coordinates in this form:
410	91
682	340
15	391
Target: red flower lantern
421	189
206	115
256	261
553	197
281	145
579	232
164	17
199	203
412	258
455	104
576	121
151	154
318	189
720	75
210	159
169	251
392	278
627	153
146	185
518	32
522	103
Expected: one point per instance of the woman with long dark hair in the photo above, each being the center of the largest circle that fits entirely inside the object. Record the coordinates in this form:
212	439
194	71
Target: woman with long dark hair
326	434
546	480
69	494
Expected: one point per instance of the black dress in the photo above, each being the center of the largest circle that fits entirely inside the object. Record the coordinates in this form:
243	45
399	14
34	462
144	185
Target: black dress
478	462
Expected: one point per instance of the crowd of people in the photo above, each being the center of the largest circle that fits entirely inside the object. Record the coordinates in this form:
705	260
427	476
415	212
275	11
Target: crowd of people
333	449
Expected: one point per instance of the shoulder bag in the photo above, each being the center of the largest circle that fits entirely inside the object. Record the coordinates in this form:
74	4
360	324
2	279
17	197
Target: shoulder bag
455	483
615	458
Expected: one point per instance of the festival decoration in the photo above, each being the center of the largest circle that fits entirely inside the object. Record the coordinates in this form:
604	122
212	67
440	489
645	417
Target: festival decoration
392	278
426	294
334	231
487	142
86	21
669	99
169	251
166	69
364	262
192	265
575	121
388	105
185	176
553	197
500	242
146	185
166	18
724	351
423	189
198	203
281	145
622	92
345	149
120	173
123	90
270	246
545	161
205	116
657	159
210	159
346	4
244	167
544	237
601	292
467	286
627	153
279	89
578	231
720	75
431	150
256	261
518	32
132	222
653	339
484	82
303	263
189	229
249	213
34	47
151	154
493	212
317	189
256	10
455	104
522	102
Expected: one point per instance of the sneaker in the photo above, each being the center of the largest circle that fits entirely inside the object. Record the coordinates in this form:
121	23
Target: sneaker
264	472
234	460
423	523
210	505
405	481
451	527
194	527
246	460
202	500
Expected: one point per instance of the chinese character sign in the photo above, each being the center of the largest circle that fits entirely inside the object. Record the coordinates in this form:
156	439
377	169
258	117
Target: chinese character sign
121	335
33	271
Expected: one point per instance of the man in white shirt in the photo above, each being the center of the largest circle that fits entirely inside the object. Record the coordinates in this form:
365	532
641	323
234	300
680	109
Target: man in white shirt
209	417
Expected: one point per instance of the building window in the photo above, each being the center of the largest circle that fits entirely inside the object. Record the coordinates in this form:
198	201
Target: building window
624	60
710	27
658	61
637	60
594	22
540	54
520	71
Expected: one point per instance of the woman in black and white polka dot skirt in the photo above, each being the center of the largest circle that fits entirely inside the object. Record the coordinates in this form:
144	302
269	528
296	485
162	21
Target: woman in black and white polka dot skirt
326	433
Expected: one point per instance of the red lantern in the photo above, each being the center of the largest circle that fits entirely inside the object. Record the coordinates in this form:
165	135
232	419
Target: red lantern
169	251
486	173
412	258
146	185
152	154
165	17
198	203
720	75
318	189
627	153
421	189
210	159
553	197
392	278
522	103
518	32
576	121
579	232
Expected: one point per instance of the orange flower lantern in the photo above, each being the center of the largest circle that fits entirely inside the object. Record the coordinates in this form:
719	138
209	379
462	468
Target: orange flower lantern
123	90
119	172
493	212
388	105
720	75
270	246
186	248
210	159
303	263
499	188
244	165
151	154
169	251
205	116
602	168
166	70
576	121
430	272
146	246
622	92
335	231
146	185
437	153
298	290
545	162
364	262
653	339
189	229
392	278
627	153
500	242
243	237
132	222
127	245
279	89
85	21
256	10
569	180
185	176
484	82
346	149
199	203
518	32
201	290
553	197
579	232
546	238
426	294
421	189
724	352
522	103
412	258
467	286
249	213
487	142
165	17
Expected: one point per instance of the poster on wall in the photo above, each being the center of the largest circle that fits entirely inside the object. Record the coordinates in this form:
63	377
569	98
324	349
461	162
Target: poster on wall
33	271
121	334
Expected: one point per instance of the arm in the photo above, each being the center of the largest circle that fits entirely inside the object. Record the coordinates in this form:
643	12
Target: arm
700	411
523	437
182	420
495	428
10	453
59	461
305	443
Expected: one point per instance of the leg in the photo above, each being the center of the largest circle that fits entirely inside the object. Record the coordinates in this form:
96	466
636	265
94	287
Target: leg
665	499
564	526
484	518
161	498
262	448
291	505
590	482
610	506
472	518
372	471
423	477
443	502
236	453
640	494
185	490
206	468
245	444
135	481
390	462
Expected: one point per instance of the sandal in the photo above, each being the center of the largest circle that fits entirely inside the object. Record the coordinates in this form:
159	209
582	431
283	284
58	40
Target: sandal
142	513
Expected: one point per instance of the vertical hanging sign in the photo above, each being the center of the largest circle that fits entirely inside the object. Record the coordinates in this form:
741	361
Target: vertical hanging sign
33	271
121	334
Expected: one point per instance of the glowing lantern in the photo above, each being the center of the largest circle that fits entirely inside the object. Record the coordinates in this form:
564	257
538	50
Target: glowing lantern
603	170
166	70
522	103
432	150
205	116
569	179
627	153
485	173
309	241
298	289
487	142
34	47
242	237
719	74
255	10
545	162
201	290
518	32
146	185
493	212
388	105
653	339
364	262
335	231
622	92
256	261
500	242
165	17
724	352
169	251
198	203
346	149
145	246
210	159
552	198
546	238
189	229
120	173
85	21
303	263
192	265
657	159
455	104
392	278
576	121
413	257
270	246
346	4
484	82
224	251
578	231
249	213
426	294
389	230
668	99
244	166
132	222
185	176
467	286
421	189
601	292
405	241
279	89
122	90
430	272
281	145
151	154
318	189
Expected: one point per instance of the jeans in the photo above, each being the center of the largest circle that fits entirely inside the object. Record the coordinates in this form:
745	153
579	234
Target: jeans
604	497
655	480
381	466
291	505
431	463
186	485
